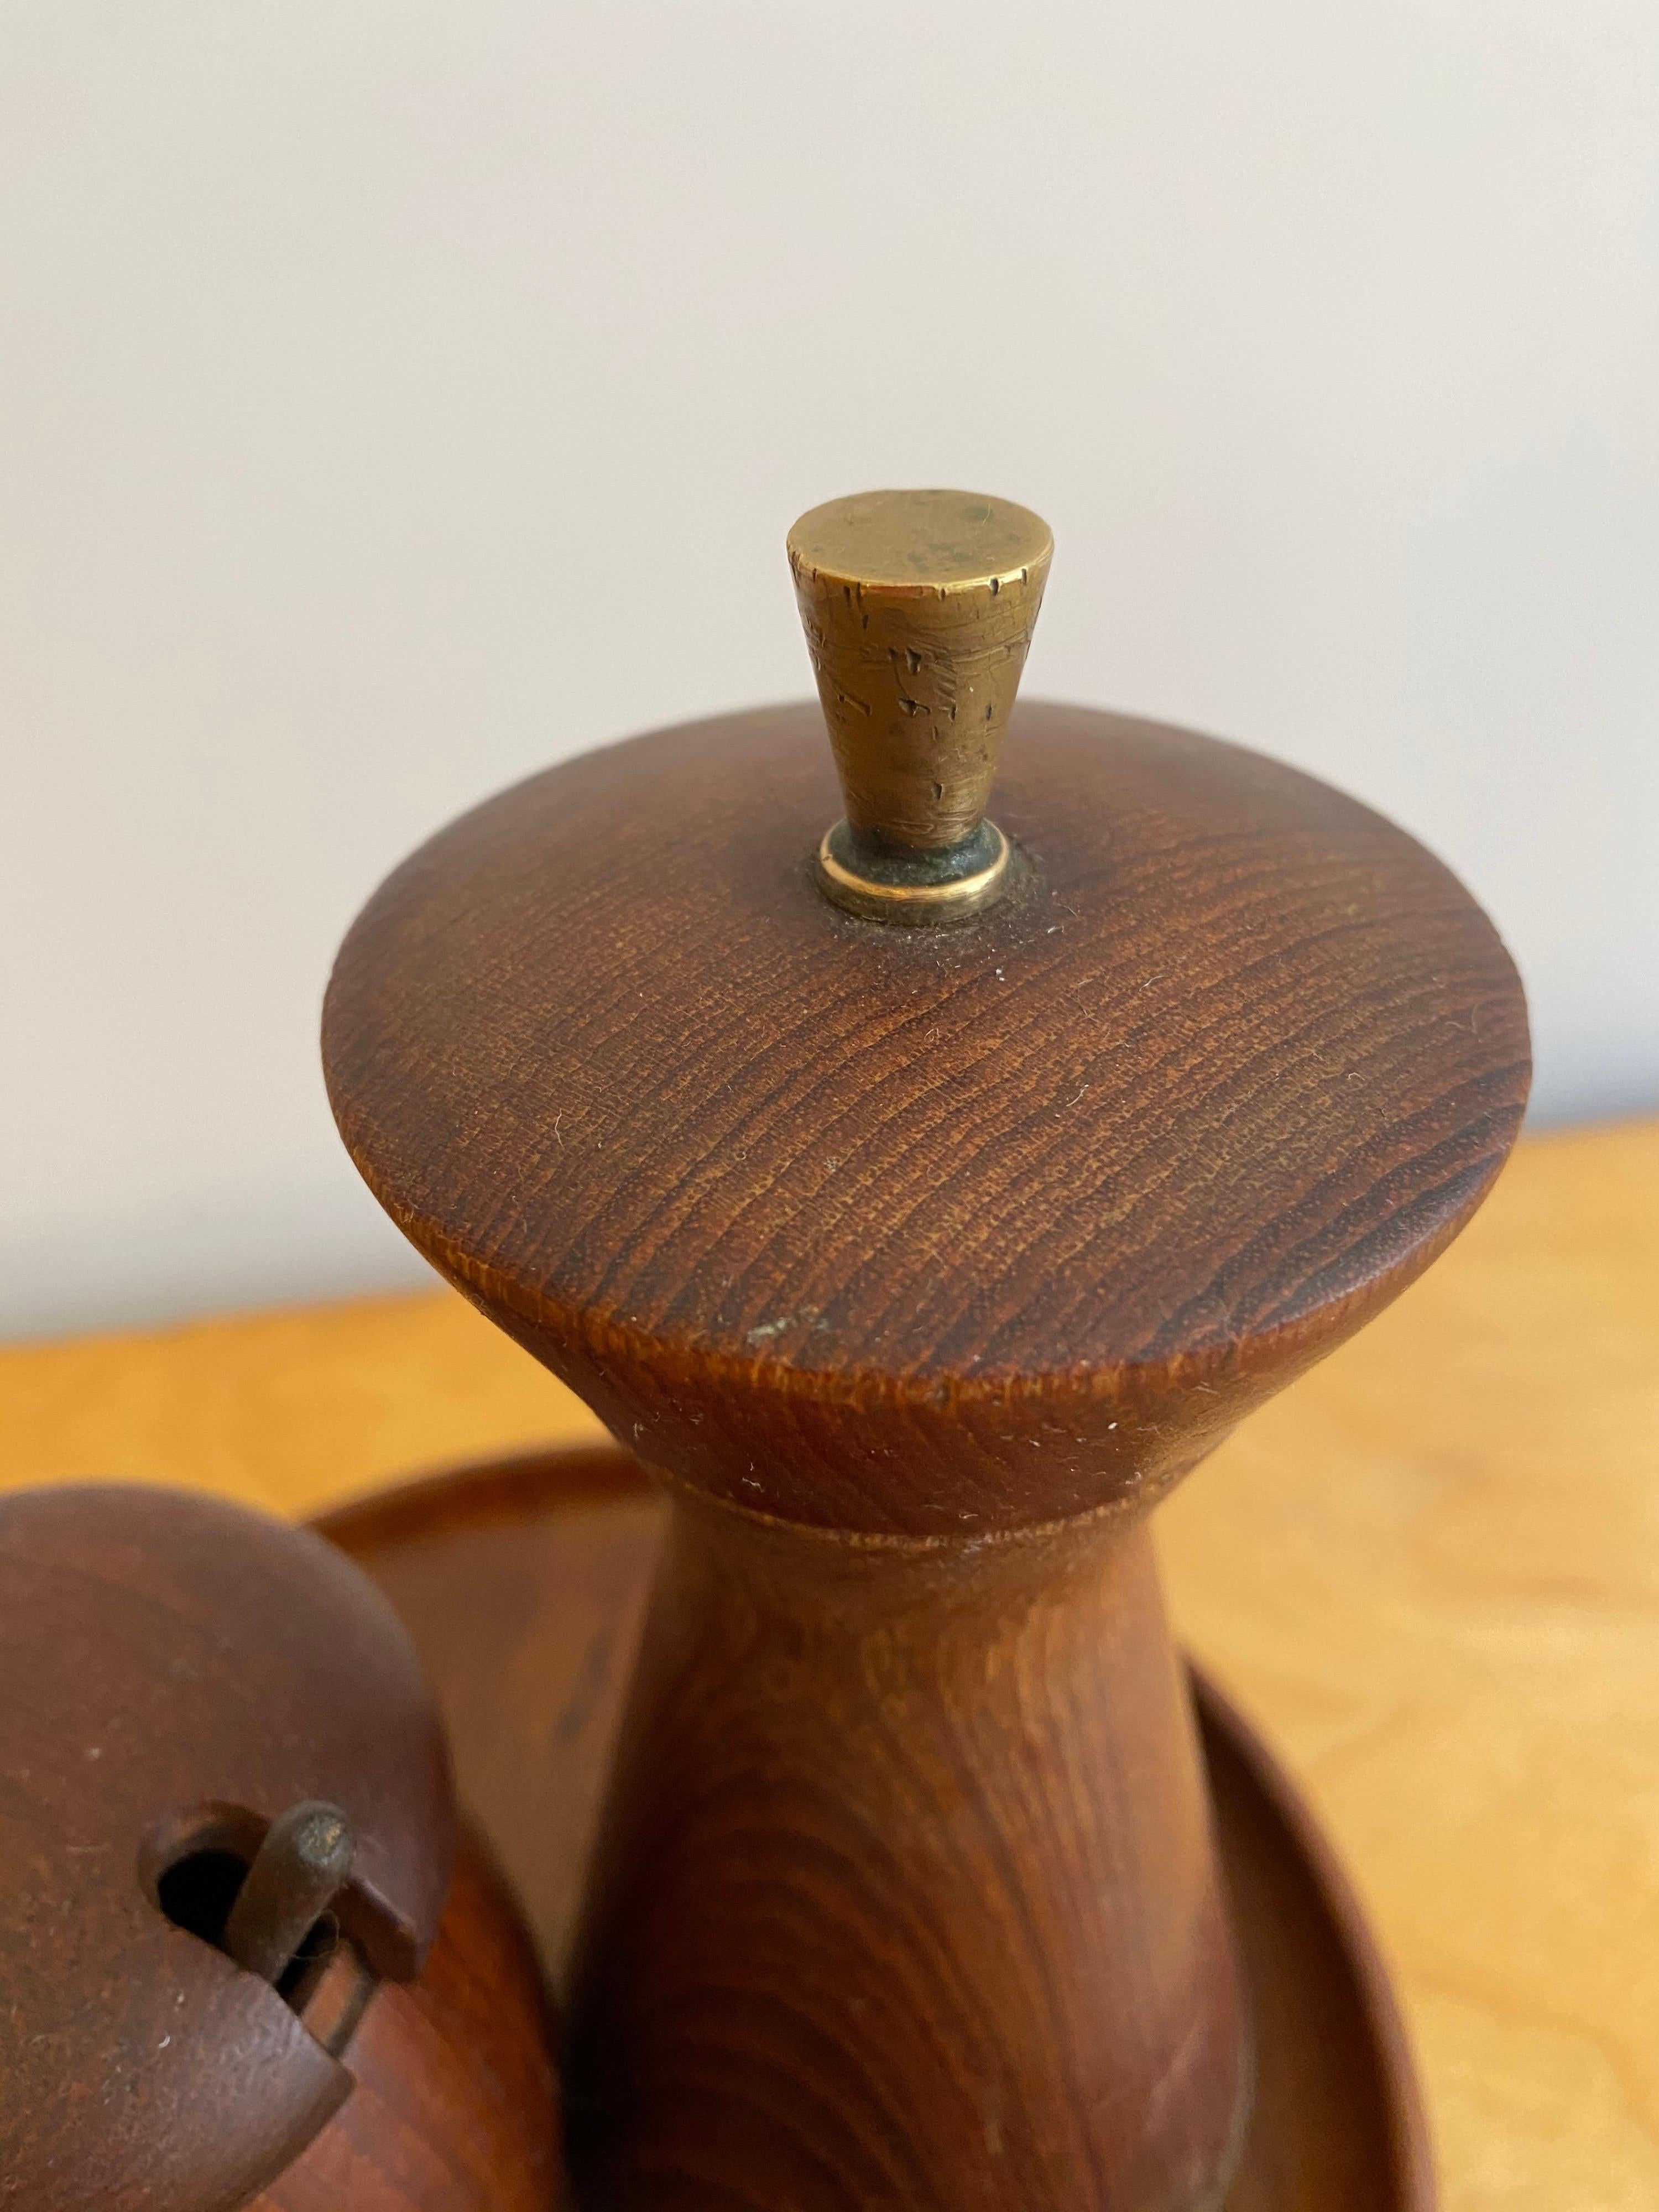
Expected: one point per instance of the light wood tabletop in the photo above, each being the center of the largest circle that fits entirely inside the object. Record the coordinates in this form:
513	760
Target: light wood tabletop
1429	1570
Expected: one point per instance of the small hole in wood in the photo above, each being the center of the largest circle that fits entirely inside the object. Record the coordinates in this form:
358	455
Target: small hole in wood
197	1891
194	1867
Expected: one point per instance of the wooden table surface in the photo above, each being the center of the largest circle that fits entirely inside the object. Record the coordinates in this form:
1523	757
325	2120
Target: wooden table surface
1431	1572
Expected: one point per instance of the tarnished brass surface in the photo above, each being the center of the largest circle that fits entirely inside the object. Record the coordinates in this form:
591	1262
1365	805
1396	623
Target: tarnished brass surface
921	902
919	608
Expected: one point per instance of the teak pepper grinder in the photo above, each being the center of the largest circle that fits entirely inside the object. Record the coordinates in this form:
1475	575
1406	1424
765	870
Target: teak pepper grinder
920	1197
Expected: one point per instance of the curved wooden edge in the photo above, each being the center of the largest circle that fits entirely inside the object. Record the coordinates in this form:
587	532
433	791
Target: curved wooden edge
1225	1731
477	1491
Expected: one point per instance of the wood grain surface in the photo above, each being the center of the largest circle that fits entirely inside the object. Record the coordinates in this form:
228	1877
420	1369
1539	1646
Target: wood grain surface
935	1924
1429	1571
918	1233
521	1583
921	1263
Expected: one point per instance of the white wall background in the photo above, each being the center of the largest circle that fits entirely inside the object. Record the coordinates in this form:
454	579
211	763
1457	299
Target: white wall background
394	397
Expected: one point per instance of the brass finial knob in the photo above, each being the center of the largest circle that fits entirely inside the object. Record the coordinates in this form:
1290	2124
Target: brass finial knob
919	608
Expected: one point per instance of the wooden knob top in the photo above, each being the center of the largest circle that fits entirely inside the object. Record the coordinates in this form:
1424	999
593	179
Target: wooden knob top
919	608
176	1676
924	1232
